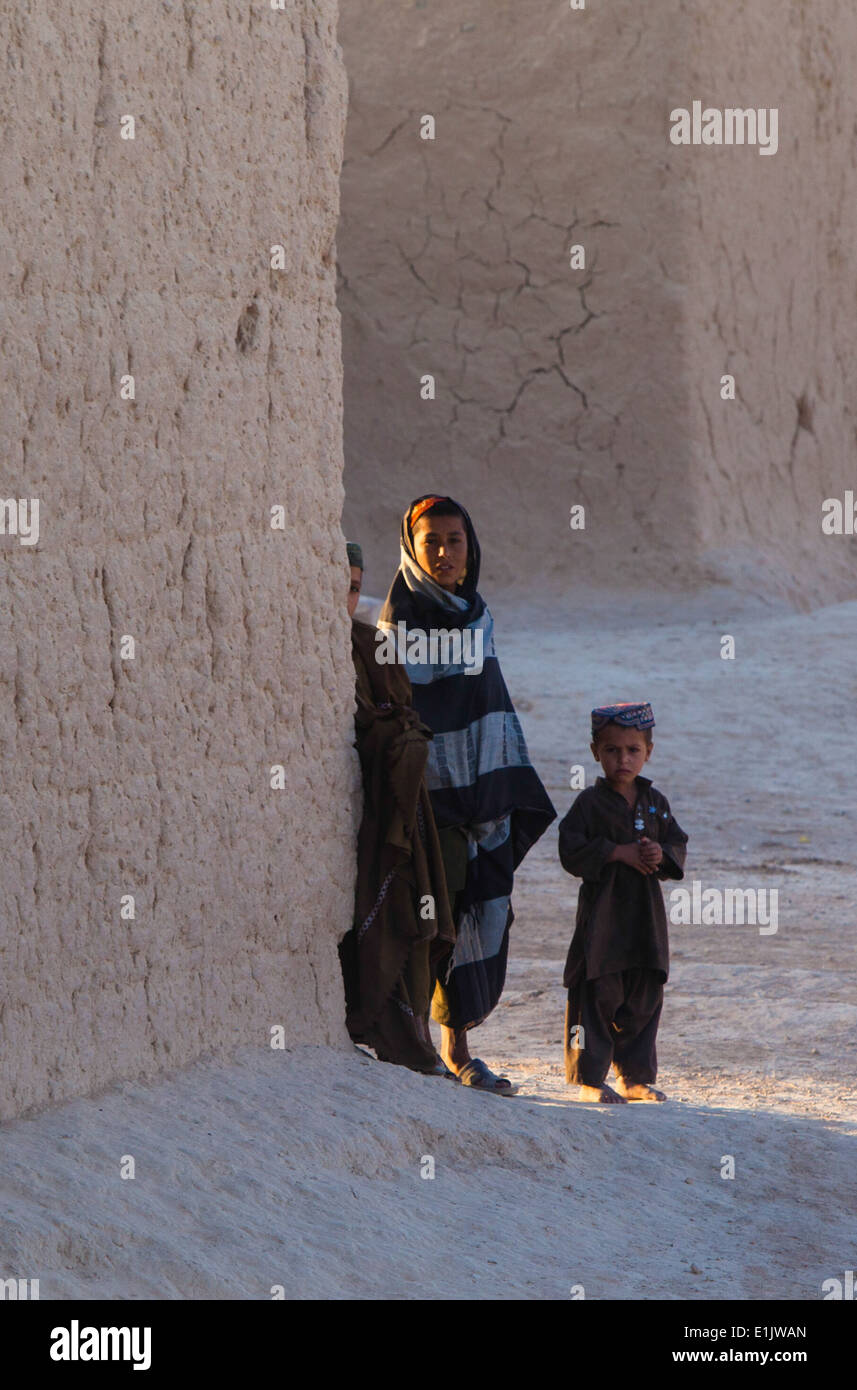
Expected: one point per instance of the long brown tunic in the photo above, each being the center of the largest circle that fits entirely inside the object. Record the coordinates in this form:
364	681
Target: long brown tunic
391	956
621	920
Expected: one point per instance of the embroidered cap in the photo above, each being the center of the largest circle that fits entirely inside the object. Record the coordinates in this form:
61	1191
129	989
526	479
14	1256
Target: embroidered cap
355	554
628	716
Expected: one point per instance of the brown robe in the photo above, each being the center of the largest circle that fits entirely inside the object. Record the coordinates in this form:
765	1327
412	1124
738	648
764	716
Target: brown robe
390	958
619	955
621	922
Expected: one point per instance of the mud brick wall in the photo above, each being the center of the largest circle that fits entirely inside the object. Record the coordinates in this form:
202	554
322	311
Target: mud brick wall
144	771
600	384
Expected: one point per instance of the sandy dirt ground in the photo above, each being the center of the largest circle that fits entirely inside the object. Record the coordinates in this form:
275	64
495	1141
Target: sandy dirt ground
304	1169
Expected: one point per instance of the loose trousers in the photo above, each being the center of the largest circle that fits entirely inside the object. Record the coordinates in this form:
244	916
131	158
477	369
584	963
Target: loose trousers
613	1018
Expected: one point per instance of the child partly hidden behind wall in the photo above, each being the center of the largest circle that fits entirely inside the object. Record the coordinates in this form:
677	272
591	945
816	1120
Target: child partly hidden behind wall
621	839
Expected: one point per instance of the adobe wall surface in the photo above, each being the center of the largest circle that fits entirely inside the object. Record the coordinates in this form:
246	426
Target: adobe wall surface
151	776
601	385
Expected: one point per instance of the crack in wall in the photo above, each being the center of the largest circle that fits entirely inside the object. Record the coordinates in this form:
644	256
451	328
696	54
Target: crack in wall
111	621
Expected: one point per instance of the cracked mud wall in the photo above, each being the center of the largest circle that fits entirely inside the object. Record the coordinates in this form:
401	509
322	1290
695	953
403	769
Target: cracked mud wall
773	299
601	385
151	777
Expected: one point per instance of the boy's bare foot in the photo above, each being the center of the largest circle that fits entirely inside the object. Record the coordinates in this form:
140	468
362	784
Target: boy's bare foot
604	1094
639	1091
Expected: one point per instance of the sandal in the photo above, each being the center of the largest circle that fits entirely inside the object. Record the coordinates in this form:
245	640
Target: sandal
476	1074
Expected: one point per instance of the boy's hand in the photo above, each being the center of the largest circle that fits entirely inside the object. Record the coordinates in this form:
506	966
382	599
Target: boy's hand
651	852
633	856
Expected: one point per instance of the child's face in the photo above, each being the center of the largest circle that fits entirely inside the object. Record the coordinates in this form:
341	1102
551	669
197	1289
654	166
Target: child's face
440	545
354	589
622	753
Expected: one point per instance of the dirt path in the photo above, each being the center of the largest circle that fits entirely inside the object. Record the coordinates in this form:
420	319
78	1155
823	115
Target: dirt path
756	756
305	1169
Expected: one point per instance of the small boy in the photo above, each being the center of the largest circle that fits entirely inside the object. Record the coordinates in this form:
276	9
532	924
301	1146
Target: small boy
620	838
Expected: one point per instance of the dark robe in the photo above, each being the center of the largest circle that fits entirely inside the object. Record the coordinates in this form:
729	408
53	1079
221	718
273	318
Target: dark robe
391	956
621	922
488	799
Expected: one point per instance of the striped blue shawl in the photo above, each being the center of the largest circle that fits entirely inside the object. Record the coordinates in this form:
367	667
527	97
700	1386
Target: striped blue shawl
480	778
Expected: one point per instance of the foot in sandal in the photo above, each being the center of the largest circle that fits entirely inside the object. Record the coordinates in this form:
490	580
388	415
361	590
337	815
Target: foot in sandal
603	1095
476	1074
638	1090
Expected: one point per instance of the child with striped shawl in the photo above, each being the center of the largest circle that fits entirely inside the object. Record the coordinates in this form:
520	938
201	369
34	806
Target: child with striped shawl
489	804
